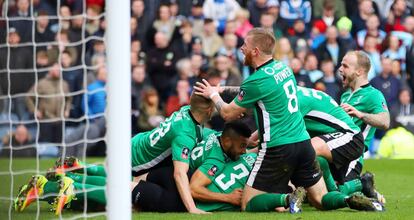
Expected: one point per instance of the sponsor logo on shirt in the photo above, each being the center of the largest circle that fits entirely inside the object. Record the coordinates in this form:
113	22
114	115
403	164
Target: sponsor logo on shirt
185	153
358	100
241	95
210	141
213	170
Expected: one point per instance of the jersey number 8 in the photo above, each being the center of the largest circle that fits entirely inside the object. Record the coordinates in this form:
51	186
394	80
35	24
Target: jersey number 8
290	91
159	132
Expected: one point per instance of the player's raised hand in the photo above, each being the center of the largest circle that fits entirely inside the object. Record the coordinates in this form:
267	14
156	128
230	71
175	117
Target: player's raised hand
205	89
253	150
351	110
253	139
235	197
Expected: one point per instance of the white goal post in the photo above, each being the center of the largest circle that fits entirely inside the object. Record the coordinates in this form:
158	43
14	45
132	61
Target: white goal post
119	110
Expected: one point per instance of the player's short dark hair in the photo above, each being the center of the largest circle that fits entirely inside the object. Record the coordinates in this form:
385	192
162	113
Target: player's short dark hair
213	73
199	104
263	39
236	128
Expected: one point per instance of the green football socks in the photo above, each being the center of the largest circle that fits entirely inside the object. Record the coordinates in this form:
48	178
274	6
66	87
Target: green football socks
51	189
266	202
90	193
334	200
327	176
95	170
83	191
351	187
87	179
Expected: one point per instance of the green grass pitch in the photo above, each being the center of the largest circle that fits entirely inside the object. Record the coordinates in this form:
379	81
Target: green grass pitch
394	178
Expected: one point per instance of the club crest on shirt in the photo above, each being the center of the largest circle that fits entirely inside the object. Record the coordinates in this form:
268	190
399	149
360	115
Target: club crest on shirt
213	170
241	95
184	153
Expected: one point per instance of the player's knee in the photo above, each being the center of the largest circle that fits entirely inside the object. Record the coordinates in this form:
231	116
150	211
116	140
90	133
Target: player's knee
245	200
244	204
316	144
321	148
247	195
316	192
317	203
315	199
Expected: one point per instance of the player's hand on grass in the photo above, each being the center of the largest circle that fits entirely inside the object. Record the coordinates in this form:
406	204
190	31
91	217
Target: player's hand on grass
352	111
198	211
205	89
281	209
235	197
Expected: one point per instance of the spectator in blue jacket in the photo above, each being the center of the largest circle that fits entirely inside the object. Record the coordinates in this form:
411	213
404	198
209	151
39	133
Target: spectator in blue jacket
292	10
94	102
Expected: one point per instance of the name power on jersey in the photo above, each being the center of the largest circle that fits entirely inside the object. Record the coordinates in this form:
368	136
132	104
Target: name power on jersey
281	76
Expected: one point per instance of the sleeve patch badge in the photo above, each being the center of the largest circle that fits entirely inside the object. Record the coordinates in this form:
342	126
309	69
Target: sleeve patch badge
184	153
241	95
213	170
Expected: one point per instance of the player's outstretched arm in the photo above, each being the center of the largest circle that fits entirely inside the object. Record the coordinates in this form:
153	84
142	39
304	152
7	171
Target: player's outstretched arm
198	184
183	186
380	120
227	111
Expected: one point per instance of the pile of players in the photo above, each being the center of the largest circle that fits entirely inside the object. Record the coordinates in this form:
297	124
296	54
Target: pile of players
306	145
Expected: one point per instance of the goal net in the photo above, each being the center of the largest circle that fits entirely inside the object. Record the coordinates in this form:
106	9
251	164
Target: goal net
57	104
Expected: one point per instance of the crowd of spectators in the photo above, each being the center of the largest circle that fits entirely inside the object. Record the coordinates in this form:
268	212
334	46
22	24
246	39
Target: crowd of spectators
52	63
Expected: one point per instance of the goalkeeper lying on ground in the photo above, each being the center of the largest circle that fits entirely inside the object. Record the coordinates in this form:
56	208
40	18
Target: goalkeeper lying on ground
63	188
